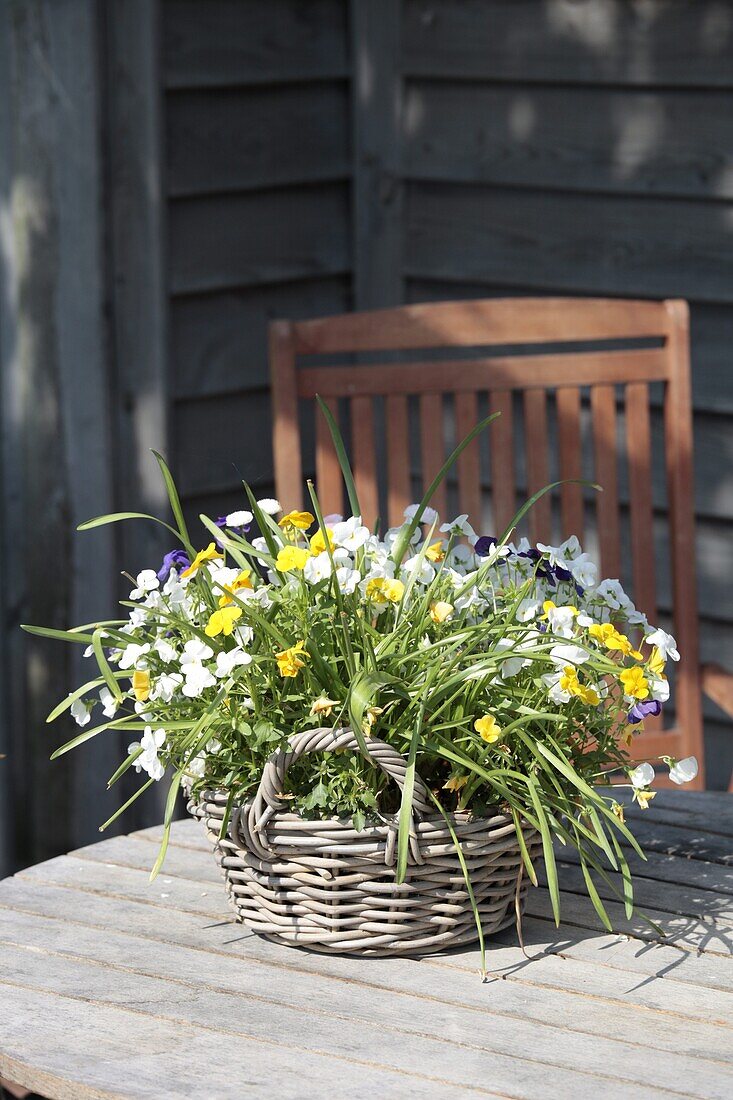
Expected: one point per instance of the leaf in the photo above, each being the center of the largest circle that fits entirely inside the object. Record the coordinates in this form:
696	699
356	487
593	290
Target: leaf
104	668
343	459
87	735
262	522
519	515
467	880
358	820
547	851
363	691
594	896
121	810
60	635
117	517
408	786
174	499
77	694
170	806
403	539
529	866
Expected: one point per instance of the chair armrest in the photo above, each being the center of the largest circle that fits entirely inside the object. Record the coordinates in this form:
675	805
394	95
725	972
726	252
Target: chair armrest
717	683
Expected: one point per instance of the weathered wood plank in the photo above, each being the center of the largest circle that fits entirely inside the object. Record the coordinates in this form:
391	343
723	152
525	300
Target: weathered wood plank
549	979
556	240
252	43
357	1008
267	236
608	140
238	140
128	1047
686	43
222	440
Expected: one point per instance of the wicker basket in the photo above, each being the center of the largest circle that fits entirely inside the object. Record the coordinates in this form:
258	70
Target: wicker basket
323	885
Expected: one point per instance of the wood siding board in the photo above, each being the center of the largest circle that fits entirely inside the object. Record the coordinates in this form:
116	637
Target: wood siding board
219	341
377	184
685	43
555	240
639	458
286	449
264	237
244	139
245	44
670	143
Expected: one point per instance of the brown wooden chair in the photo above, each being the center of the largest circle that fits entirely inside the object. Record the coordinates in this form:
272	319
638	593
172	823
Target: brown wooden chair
594	365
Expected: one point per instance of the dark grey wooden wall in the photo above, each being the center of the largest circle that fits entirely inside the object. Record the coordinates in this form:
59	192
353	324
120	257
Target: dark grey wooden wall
174	173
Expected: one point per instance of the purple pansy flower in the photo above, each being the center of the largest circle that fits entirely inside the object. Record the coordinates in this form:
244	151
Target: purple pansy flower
640	710
174	559
484	545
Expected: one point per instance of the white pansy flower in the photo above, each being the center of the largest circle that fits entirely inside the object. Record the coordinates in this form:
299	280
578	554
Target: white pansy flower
585	620
243	635
269	506
461	555
145	582
643	776
222	574
138	616
166	686
195	651
514	664
568	655
571	548
423	571
347	579
174	590
260	545
556	693
684	771
148	761
231	659
391	536
133	655
528	609
554	554
665	643
350	533
165	651
584	571
239	519
108	701
318	568
658	688
429	515
460	526
81	711
613	594
198	678
561	621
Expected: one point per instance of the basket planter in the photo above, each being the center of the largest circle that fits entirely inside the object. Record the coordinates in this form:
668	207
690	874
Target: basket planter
323	885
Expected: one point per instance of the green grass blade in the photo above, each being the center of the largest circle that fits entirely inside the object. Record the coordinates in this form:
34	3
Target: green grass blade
343	458
117	517
90	685
594	895
175	500
262	522
547	851
121	810
60	635
467	880
521	513
526	858
104	668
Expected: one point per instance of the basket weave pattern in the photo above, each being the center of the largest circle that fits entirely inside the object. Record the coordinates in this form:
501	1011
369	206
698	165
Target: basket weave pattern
323	885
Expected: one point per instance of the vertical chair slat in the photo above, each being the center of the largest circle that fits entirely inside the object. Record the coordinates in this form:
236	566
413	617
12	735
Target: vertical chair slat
501	451
329	483
639	460
285	424
680	490
536	446
603	411
365	458
398	457
639	456
567	401
469	473
432	447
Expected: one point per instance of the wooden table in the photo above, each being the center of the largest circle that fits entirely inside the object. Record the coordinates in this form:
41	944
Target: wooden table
110	986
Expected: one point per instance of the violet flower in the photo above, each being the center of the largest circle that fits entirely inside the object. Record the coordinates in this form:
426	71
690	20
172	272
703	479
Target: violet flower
642	709
174	559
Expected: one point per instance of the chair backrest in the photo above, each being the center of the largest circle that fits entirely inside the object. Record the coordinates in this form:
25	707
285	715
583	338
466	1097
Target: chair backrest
560	371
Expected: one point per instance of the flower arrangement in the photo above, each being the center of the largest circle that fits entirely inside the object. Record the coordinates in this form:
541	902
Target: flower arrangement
509	675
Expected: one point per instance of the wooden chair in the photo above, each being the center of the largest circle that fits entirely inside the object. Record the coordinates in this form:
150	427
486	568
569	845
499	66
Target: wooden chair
582	382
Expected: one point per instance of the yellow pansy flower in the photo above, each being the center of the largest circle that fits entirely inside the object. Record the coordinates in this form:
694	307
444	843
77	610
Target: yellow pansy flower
141	684
240	582
382	590
291	557
656	664
436	552
611	638
209	554
634	683
455	783
569	682
290	661
488	727
440	611
300	521
644	797
323	705
618	811
318	543
222	621
550	605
